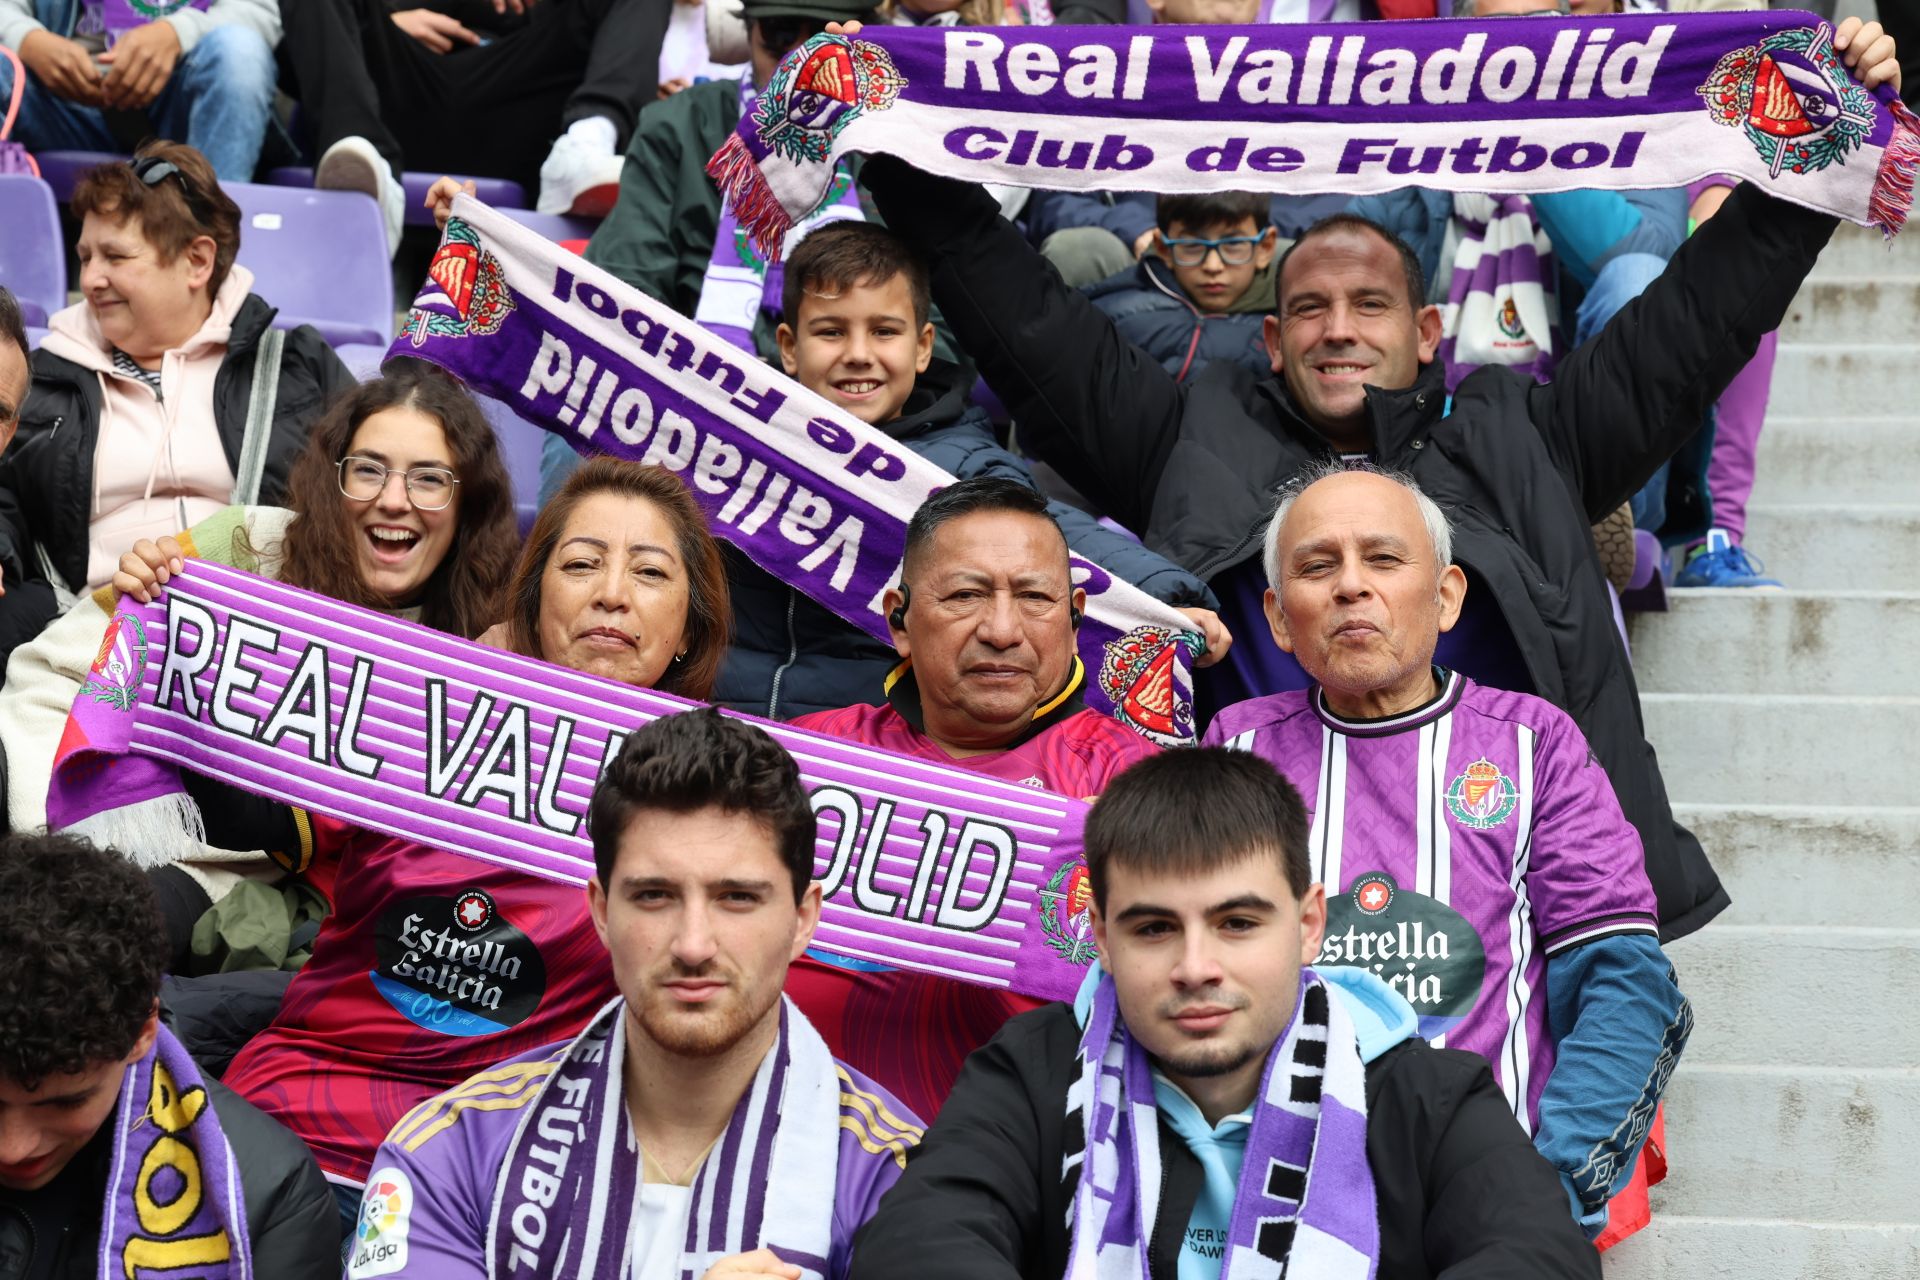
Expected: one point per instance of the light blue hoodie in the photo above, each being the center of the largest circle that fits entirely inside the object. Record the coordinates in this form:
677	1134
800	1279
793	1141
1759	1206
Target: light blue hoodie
1381	1019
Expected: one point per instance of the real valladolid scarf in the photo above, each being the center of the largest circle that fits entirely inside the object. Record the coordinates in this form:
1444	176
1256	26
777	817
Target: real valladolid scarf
396	727
810	493
774	1181
1550	104
1305	1205
173	1202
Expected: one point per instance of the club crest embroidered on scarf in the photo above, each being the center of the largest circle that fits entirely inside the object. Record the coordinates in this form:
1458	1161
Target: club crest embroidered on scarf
1794	99
1482	797
1065	914
121	664
1138	675
804	108
472	281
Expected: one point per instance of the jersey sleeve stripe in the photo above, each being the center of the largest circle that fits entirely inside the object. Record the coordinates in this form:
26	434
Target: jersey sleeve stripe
454	1111
897	1149
1593	930
501	1080
876	1108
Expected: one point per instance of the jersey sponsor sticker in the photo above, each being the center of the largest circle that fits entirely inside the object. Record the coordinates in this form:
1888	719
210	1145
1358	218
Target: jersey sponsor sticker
1418	945
456	965
380	1236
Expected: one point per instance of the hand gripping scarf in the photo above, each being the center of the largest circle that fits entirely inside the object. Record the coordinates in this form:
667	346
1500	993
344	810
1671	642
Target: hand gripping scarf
1305	1205
1493	107
1503	302
811	494
487	754
174	1202
566	1200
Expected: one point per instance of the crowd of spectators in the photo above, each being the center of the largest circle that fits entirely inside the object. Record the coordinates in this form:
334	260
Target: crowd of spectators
1274	414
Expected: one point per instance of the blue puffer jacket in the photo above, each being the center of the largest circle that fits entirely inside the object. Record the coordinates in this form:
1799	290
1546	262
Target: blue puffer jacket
791	656
1148	307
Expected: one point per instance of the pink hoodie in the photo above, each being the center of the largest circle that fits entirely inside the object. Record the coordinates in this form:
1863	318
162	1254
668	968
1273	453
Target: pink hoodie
158	465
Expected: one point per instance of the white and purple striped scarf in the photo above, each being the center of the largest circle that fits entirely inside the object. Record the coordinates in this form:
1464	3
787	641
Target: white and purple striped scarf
768	1182
1503	303
1306	1200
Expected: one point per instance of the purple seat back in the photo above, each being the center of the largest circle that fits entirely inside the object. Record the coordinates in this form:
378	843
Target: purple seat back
33	261
62	169
498	192
320	257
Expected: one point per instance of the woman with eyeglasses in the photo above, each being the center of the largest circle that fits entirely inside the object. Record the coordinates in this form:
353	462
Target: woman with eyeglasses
160	398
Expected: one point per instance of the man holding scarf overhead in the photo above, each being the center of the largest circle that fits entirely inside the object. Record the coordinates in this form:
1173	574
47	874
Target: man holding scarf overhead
117	1157
1208	1108
698	1126
1524	468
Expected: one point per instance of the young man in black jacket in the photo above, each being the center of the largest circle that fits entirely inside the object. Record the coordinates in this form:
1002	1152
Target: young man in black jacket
1523	469
1292	1113
154	1171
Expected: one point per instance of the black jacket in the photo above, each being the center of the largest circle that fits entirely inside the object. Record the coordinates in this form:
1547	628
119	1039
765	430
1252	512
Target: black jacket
791	656
46	475
1148	307
1522	469
292	1220
1459	1187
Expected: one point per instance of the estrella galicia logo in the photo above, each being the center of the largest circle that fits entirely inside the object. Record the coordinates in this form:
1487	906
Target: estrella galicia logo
456	965
1418	945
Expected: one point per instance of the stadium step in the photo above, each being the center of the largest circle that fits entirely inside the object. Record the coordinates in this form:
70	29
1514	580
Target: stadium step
1858	309
1864	254
1819	1144
1831	642
1791	865
1844	379
1720	748
1810	1016
1839	546
1749	1248
1841	460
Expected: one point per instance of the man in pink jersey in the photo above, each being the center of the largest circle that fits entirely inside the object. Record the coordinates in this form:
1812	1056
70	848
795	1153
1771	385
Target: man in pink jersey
1471	846
988	680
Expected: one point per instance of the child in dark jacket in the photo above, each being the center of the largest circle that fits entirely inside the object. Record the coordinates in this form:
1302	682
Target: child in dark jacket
856	332
1203	285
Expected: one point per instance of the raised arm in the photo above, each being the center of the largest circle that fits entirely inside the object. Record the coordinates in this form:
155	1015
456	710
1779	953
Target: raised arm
1087	400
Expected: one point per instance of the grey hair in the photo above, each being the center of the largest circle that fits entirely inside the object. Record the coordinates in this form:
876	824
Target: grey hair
1439	528
1467	8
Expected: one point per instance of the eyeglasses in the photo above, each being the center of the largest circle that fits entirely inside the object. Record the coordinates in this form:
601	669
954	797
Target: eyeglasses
428	488
1235	251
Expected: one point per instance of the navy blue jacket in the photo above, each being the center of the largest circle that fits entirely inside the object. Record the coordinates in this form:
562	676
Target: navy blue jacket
1149	308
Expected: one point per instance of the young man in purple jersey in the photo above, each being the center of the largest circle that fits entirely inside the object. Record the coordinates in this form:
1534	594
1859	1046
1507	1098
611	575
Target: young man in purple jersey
1472	849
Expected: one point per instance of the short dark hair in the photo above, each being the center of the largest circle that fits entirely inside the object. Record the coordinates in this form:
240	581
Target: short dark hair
1198	210
1188	812
696	760
83	951
967	497
846	254
1409	260
13	324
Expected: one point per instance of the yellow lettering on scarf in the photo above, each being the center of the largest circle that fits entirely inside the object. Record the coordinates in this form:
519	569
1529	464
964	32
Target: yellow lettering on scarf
174	1112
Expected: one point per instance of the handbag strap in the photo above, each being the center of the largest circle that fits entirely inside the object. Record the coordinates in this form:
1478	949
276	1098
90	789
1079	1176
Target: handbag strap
266	389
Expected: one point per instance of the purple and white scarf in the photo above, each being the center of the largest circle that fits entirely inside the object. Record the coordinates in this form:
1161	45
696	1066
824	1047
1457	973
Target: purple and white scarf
810	493
567	1195
1552	104
174	1202
1503	302
1305	1205
475	751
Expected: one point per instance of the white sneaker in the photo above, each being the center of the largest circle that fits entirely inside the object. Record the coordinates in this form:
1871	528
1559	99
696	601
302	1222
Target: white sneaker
579	177
352	164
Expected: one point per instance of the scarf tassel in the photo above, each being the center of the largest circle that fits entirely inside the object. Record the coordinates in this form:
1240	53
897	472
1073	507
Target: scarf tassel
736	171
1892	198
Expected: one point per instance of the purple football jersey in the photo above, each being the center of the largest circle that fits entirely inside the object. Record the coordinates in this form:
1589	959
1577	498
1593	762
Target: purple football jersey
1461	845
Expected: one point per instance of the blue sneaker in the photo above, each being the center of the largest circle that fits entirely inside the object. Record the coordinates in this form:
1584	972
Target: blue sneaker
1722	562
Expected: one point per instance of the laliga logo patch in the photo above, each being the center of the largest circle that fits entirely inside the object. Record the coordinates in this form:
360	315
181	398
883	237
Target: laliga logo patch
1066	914
804	108
1141	675
1793	98
121	665
380	1236
471	280
1482	797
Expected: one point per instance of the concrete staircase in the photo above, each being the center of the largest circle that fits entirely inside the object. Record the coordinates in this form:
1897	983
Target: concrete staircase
1788	726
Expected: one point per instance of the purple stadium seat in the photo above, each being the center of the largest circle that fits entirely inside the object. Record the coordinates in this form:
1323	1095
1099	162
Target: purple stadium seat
33	261
498	192
35	337
62	169
320	257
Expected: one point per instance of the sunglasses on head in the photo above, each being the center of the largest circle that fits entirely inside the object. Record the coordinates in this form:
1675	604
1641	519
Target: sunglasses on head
152	171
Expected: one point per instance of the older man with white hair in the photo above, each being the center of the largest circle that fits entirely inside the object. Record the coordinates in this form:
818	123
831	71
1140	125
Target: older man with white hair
1472	849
